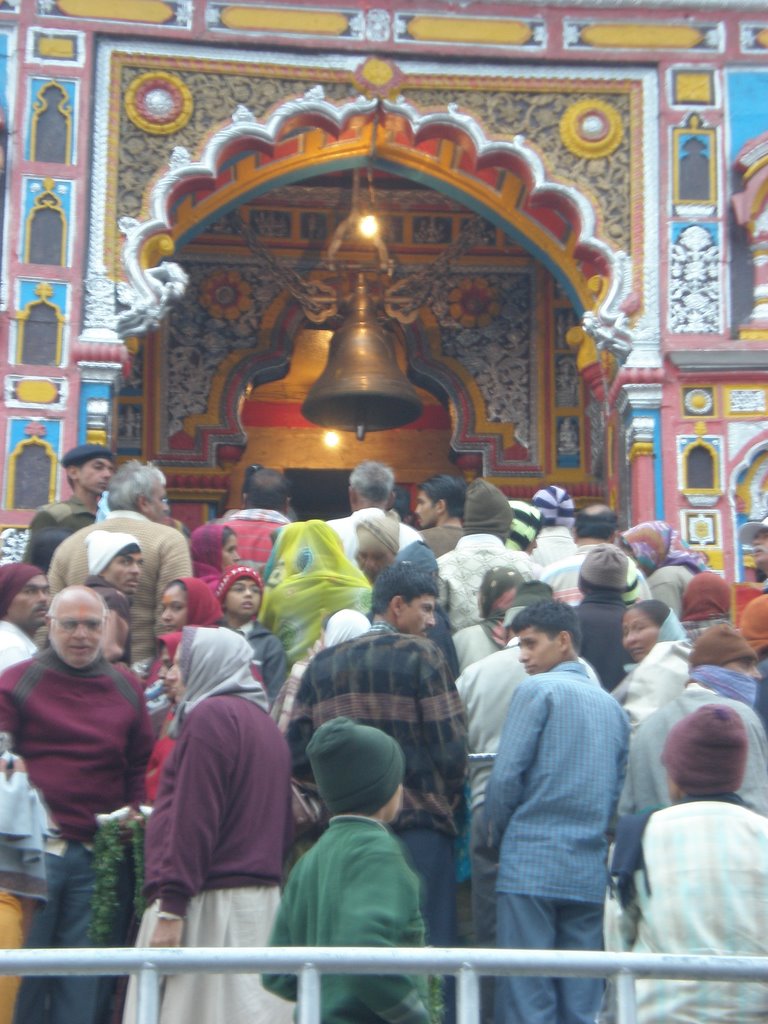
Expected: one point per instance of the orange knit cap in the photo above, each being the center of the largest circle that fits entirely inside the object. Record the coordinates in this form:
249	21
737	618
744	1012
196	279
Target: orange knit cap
754	624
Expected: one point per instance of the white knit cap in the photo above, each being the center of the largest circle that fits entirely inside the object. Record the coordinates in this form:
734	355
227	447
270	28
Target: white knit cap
103	546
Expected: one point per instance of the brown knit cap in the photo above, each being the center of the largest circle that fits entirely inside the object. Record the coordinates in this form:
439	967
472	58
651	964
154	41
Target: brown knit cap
706	752
718	645
486	510
605	568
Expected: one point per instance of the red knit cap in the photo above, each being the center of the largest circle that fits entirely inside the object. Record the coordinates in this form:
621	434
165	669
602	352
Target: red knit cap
14	576
232	575
706	752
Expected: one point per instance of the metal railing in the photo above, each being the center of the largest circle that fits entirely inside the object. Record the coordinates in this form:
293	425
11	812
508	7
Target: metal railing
309	963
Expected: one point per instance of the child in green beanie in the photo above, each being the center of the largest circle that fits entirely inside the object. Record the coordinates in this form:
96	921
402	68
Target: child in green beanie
354	887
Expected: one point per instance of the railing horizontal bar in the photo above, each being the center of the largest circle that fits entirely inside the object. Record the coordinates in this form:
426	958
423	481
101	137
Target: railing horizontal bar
377	960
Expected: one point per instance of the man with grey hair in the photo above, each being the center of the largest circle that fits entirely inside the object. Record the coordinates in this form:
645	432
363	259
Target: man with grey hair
371	495
82	729
138	506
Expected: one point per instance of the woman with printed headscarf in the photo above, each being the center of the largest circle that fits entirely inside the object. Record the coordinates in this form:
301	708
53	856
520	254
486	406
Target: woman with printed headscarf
378	542
668	563
219	832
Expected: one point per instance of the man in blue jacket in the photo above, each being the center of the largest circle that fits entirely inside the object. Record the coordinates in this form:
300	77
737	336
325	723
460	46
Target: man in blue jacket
549	802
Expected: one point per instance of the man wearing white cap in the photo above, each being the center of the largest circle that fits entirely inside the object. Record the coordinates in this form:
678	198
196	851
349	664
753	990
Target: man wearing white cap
114	564
753	537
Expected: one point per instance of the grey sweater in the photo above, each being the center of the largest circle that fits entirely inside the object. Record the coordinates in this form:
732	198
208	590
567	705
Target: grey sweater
645	785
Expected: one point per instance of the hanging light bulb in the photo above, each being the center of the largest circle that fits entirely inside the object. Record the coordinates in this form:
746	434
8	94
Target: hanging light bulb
368	226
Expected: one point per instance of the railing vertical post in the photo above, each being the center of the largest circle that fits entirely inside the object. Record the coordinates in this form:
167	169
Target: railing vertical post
309	996
148	996
468	994
626	999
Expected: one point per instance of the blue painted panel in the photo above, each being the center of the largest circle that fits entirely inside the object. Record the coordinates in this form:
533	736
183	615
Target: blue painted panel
713	230
59	296
18	432
746	91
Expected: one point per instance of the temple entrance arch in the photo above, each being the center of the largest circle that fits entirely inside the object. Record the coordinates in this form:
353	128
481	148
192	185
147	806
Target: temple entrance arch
545	266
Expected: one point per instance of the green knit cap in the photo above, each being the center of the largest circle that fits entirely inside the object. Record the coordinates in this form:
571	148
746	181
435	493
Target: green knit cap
357	768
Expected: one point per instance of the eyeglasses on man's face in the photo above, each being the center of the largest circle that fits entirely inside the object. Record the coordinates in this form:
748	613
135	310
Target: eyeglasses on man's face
72	625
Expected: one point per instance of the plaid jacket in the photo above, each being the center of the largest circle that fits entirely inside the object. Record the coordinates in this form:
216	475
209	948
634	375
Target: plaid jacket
400	684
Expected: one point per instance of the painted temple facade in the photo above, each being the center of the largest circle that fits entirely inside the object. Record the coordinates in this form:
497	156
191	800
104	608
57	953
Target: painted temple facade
575	207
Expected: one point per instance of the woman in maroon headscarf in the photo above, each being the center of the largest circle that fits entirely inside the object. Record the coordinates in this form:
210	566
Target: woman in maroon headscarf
213	548
189	602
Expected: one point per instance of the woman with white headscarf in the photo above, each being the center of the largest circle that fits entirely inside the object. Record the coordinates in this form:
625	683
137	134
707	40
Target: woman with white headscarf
654	638
219	832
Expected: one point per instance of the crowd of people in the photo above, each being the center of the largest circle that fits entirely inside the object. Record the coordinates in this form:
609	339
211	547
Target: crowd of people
331	733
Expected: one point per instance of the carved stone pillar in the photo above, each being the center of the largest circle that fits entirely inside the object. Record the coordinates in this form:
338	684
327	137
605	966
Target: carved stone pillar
641	455
640	404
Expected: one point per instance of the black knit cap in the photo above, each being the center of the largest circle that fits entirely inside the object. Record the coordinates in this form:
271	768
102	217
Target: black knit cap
357	768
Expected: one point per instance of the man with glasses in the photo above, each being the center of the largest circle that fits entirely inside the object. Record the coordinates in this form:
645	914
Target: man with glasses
139	507
82	728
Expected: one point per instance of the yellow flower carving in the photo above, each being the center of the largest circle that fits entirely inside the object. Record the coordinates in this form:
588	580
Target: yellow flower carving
473	302
225	295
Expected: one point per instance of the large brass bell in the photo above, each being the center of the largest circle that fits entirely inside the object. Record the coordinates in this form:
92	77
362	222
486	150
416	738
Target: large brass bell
362	387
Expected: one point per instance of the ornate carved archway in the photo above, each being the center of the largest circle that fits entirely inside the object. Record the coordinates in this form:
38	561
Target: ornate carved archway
504	179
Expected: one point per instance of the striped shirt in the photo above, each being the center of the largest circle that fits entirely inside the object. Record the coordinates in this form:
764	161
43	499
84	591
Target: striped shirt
555	784
707	893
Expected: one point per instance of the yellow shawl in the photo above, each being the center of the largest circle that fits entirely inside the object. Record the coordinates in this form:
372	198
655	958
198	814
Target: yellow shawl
309	577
